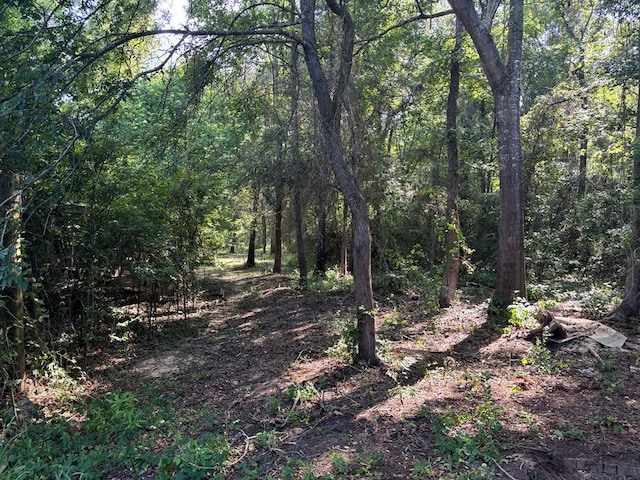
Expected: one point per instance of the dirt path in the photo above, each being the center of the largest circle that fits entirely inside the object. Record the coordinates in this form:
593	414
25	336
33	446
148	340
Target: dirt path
257	359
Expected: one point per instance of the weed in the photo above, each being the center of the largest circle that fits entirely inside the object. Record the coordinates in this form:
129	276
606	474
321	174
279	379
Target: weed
340	464
422	470
367	460
598	301
522	314
541	359
191	459
346	348
304	392
268	439
463	440
530	420
392	326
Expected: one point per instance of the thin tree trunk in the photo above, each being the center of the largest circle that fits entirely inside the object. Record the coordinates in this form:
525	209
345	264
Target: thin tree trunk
277	228
264	234
344	243
330	110
452	240
302	257
584	131
295	148
321	250
251	255
12	312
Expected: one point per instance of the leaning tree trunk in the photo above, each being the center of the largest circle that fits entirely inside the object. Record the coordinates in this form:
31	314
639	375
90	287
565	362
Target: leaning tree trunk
504	79
12	296
452	239
329	110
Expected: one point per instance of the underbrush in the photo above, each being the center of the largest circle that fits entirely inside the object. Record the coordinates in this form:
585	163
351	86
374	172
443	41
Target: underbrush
119	431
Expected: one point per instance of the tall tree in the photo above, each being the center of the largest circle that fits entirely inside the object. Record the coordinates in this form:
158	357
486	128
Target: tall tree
504	79
330	110
452	229
626	68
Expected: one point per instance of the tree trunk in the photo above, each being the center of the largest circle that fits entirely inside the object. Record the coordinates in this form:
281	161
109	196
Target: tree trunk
12	312
264	234
302	257
277	228
452	240
584	130
251	255
504	79
329	111
321	250
295	148
344	243
629	308
510	279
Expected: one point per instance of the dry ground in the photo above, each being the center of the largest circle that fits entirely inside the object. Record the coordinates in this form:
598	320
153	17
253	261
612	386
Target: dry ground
257	360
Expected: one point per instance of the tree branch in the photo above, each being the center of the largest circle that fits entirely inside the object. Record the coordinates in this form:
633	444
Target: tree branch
404	23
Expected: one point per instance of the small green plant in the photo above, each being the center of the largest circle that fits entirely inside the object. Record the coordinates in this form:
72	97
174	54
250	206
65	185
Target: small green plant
466	439
541	359
392	326
346	348
522	314
366	463
194	459
530	420
598	301
340	464
304	392
422	470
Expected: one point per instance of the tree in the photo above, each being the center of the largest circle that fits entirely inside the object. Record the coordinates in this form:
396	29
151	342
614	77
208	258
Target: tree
504	80
330	108
626	67
452	228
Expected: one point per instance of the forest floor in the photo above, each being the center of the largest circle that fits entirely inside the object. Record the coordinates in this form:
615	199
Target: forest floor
453	400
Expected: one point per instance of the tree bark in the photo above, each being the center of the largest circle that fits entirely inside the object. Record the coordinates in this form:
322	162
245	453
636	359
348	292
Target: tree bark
12	313
344	241
452	240
277	228
504	79
295	149
321	250
251	255
629	308
302	257
329	111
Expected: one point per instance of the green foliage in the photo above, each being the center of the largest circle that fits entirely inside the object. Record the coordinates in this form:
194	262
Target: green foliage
598	301
194	459
522	314
466	439
346	348
542	359
119	430
332	283
392	326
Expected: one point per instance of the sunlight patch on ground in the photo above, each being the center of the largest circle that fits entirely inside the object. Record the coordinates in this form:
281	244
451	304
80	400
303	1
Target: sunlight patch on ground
165	364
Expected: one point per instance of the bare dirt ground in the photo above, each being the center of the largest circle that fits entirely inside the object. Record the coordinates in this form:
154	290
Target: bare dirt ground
258	360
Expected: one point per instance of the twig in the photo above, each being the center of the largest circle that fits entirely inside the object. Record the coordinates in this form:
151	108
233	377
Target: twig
247	444
503	470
